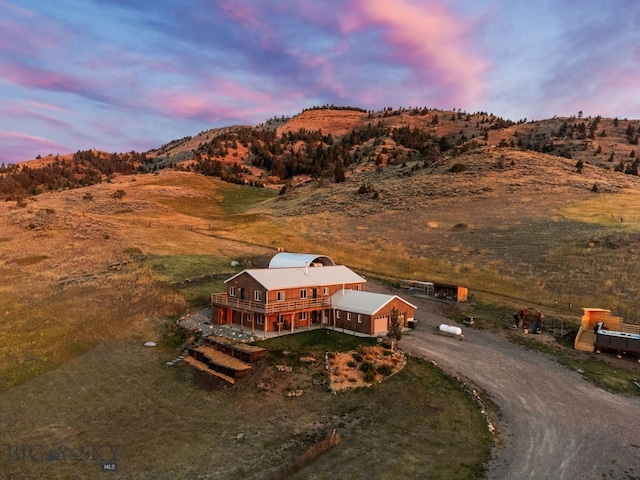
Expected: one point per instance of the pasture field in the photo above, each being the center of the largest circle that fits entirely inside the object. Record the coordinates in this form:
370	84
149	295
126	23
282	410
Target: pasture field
84	282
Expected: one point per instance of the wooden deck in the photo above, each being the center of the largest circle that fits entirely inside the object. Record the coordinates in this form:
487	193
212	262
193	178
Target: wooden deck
211	359
222	359
247	353
203	367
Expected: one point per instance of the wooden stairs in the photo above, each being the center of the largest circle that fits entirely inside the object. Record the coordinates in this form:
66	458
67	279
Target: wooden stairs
585	340
223	358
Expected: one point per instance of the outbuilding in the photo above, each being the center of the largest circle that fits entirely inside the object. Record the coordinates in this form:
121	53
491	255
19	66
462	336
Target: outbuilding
368	312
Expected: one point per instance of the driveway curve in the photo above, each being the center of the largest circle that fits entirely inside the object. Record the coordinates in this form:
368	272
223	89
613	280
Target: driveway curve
553	424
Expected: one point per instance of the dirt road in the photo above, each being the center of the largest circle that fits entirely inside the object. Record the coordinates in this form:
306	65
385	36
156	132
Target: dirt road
553	425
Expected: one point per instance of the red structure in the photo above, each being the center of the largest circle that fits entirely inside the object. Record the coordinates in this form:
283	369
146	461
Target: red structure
287	299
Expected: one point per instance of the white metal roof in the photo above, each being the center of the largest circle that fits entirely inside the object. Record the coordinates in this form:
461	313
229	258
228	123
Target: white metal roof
278	278
367	303
289	260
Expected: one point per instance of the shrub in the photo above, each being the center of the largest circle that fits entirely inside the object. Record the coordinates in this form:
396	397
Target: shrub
369	371
367	367
458	167
385	370
352	364
357	357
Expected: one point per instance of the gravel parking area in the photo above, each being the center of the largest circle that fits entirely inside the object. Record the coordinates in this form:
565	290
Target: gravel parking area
553	424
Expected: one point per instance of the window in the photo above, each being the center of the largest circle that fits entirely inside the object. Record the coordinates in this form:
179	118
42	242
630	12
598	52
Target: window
325	291
232	291
257	295
280	296
260	319
302	315
337	313
303	293
359	287
359	318
348	316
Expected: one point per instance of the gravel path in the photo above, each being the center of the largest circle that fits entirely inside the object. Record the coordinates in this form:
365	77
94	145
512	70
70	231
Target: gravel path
553	425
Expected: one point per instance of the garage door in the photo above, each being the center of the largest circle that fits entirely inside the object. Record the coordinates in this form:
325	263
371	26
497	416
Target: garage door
381	324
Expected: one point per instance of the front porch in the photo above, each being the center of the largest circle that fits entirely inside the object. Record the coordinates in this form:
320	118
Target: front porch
201	321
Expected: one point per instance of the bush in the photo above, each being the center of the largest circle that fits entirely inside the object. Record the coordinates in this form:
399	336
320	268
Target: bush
369	371
384	370
352	364
357	357
458	167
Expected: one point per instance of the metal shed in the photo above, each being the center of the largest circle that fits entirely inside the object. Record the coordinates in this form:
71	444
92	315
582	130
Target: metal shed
289	260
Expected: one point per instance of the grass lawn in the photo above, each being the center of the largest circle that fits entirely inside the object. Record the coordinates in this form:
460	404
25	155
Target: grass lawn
166	427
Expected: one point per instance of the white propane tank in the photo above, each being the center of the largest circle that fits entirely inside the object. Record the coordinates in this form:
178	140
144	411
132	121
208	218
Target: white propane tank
450	329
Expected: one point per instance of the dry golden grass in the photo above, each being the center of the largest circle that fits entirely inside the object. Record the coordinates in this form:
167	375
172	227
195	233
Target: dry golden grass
78	275
73	273
338	122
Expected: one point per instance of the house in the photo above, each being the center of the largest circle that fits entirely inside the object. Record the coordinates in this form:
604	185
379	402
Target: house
300	291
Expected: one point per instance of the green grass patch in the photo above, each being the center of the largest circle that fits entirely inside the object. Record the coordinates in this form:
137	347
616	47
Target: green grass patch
218	200
237	198
412	426
603	374
316	341
180	268
616	379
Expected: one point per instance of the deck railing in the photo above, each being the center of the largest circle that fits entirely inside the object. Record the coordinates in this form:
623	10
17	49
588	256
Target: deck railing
223	299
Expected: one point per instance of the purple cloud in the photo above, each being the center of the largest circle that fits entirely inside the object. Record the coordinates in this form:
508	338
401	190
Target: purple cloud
149	73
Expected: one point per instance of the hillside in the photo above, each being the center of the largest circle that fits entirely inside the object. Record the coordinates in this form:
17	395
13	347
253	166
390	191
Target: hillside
100	253
320	143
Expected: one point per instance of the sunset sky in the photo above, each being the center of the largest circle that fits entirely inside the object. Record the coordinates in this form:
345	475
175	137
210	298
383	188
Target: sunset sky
121	75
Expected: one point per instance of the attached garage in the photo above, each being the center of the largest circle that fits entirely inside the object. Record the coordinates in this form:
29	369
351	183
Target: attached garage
368	312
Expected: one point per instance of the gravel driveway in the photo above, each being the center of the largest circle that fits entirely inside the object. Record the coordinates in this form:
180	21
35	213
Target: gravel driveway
554	424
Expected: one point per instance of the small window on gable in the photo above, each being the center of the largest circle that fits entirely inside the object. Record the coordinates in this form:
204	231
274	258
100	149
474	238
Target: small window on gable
359	318
232	291
280	296
348	316
257	295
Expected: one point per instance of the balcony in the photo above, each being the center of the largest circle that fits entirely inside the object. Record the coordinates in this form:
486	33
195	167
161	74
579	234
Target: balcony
222	299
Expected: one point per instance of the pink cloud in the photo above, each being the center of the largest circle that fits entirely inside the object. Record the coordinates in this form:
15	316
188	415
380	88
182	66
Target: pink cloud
243	12
18	112
33	77
431	41
46	106
23	12
223	99
28	76
23	137
14	145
